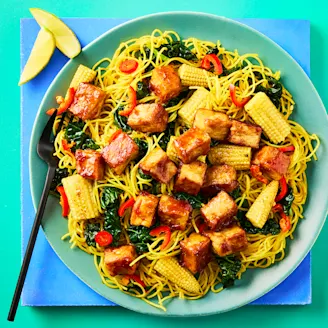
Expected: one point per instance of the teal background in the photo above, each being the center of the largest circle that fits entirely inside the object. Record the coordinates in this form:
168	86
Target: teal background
315	315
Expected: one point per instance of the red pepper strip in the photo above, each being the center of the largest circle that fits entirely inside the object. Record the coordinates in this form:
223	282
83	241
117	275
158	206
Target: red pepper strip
283	189
129	203
202	227
128	66
163	229
115	135
67	146
136	279
234	99
50	111
215	61
67	101
257	174
132	102
103	238
287	149
63	201
284	222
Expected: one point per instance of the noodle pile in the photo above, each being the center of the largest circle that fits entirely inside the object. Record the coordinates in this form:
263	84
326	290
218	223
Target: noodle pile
263	250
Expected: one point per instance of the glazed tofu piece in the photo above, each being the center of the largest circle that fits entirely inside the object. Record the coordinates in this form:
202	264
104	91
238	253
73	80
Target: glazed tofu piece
272	162
165	83
88	101
148	118
195	252
118	259
245	134
173	212
158	165
89	164
219	211
120	152
192	144
219	177
228	241
144	210
216	124
190	177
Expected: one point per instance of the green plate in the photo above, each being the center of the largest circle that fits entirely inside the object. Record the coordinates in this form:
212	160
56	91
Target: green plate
309	112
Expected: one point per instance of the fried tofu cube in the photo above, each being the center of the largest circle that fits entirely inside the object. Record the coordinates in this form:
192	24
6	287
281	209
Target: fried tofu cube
88	101
219	177
195	252
228	241
173	212
165	83
158	165
245	134
219	211
216	124
118	259
144	210
192	144
148	118
272	162
190	177
90	164
120	152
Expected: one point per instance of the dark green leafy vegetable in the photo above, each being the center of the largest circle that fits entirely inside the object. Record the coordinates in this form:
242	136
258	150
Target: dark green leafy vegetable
270	227
143	148
109	201
90	232
176	100
139	237
212	50
195	201
287	201
229	266
74	132
142	90
140	55
177	49
59	175
274	91
167	135
233	69
121	121
235	193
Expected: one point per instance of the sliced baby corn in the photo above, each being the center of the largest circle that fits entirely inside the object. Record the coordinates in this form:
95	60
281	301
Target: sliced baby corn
258	213
80	197
83	74
193	76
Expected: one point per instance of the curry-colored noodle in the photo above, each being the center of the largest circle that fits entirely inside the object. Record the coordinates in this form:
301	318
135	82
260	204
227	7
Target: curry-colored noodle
263	250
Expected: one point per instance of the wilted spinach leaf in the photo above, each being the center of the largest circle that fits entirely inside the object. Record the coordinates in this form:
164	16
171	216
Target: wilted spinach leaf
176	100
110	197
121	121
177	49
90	232
212	50
195	201
142	90
167	135
287	201
139	237
74	132
143	148
112	224
59	175
229	266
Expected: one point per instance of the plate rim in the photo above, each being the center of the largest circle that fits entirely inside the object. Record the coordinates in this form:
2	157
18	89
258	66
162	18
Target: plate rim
132	21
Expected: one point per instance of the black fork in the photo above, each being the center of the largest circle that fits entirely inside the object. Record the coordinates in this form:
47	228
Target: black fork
45	149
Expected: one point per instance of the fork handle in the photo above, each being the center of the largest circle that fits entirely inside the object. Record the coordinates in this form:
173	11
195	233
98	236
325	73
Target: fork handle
31	243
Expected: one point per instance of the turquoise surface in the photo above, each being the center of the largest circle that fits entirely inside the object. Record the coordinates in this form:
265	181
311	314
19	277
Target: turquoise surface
315	315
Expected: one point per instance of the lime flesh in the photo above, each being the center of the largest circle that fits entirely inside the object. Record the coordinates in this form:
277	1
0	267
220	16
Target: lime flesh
66	40
43	48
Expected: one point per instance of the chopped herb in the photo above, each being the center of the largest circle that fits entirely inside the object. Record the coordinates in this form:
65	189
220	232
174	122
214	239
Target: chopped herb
230	266
74	132
90	233
139	237
274	91
121	121
195	201
142	90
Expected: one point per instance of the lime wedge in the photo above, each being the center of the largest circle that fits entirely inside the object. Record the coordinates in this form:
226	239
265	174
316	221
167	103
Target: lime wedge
66	40
43	48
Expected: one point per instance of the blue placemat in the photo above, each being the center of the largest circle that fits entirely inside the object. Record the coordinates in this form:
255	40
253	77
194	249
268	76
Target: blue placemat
49	282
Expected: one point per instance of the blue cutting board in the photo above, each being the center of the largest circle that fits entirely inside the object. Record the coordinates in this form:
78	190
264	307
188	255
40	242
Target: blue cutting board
49	282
